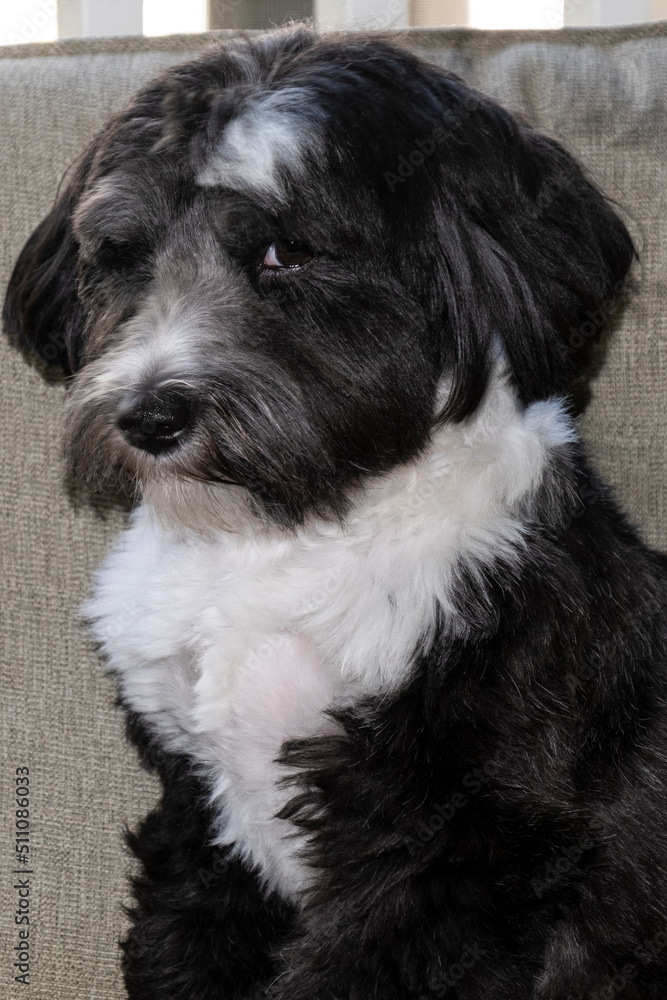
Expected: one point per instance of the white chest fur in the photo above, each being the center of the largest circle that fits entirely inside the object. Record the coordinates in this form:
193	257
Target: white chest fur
230	644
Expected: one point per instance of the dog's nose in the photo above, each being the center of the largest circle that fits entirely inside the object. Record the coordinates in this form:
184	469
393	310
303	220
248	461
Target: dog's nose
158	421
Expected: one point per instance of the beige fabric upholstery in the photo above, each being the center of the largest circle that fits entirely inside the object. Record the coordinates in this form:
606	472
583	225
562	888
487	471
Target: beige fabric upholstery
603	93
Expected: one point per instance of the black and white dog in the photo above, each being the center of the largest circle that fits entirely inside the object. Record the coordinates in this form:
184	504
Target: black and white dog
406	662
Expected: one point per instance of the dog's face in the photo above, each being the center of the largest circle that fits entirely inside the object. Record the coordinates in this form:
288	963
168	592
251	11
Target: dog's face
264	270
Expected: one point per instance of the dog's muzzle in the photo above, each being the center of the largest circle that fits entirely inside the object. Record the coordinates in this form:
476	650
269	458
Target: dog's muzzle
158	421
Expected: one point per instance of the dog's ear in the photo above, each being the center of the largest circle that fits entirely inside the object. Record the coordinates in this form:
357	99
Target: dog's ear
528	256
573	252
42	311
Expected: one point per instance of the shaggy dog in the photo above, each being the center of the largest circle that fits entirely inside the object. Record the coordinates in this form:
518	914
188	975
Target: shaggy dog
399	658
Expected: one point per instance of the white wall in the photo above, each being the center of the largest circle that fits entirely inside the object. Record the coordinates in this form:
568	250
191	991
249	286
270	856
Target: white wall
606	12
171	17
29	21
378	14
124	17
99	17
516	14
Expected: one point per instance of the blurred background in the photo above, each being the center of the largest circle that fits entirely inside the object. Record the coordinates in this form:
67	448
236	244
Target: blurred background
24	21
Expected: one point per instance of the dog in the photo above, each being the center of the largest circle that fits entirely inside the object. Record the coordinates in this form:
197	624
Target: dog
398	657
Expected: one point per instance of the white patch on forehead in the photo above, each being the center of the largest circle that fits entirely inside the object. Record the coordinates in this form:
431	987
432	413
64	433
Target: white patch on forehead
269	138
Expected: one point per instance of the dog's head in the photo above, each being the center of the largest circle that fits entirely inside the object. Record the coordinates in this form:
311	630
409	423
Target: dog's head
265	269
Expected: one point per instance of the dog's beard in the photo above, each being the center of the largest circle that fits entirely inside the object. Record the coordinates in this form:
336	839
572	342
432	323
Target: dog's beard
99	460
237	468
205	501
184	505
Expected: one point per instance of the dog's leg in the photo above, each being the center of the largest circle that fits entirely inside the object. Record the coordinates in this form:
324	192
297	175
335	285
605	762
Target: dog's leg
202	927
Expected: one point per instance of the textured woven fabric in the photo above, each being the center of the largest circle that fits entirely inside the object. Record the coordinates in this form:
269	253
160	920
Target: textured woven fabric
603	93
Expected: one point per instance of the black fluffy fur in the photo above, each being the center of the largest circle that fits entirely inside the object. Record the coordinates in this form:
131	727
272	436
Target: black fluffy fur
498	829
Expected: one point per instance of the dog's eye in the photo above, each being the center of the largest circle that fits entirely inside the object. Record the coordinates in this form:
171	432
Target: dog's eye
121	256
286	253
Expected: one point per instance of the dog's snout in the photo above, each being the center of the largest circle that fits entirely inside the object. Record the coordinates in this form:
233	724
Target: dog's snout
158	421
